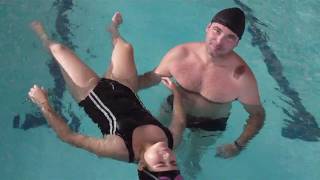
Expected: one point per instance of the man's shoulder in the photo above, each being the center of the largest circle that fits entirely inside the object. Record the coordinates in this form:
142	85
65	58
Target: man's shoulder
190	46
248	88
242	70
237	59
239	63
186	49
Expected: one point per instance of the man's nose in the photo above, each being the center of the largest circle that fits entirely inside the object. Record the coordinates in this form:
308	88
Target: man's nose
219	39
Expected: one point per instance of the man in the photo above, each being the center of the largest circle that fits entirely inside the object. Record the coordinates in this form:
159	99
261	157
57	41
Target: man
211	76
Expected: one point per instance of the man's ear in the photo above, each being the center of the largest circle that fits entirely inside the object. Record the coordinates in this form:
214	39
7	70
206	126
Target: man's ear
237	43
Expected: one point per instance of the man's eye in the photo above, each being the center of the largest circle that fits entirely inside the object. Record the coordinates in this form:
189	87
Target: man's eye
232	38
216	30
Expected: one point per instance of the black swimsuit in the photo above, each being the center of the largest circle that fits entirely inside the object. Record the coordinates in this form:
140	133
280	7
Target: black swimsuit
204	123
118	111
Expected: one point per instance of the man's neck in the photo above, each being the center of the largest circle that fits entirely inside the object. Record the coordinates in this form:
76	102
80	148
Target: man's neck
218	59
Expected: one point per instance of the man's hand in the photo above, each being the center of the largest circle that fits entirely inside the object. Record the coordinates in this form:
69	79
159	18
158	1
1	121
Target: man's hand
168	83
227	151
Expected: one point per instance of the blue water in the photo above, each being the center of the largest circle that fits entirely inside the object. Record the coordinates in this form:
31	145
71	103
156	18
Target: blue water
280	45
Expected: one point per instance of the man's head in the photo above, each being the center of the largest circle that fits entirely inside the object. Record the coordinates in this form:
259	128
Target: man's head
232	18
158	162
224	31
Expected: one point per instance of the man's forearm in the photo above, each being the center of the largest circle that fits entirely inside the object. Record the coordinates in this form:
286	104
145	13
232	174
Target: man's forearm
178	123
178	110
254	124
148	79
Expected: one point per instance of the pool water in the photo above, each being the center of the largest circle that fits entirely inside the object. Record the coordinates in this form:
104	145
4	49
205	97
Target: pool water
280	45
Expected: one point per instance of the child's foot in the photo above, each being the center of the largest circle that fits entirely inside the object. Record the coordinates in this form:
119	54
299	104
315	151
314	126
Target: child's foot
38	28
117	19
113	28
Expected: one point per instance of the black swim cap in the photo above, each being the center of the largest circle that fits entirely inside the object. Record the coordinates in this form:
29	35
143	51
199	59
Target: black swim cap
162	175
233	18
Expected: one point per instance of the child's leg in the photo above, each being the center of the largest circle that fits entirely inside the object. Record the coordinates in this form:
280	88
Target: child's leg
79	77
122	67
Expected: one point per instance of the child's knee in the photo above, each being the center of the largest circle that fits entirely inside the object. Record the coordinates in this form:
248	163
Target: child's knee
125	45
56	47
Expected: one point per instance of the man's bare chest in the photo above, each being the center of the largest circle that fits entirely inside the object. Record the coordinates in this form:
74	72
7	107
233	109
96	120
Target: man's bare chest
216	84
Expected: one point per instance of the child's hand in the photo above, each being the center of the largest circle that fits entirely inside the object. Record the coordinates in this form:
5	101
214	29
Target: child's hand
38	95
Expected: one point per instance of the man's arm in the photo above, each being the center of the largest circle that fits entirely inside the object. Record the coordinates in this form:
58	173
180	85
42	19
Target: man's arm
253	125
250	99
178	121
153	77
148	79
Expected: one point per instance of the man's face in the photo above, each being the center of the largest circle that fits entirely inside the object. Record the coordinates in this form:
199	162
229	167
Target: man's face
220	40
